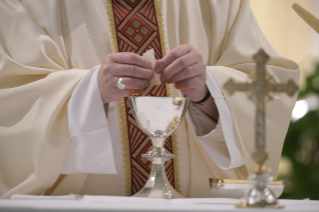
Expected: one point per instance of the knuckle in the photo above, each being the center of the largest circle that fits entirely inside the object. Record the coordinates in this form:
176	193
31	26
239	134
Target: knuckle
198	57
109	58
188	72
182	62
132	70
174	54
107	67
166	74
188	46
150	74
130	56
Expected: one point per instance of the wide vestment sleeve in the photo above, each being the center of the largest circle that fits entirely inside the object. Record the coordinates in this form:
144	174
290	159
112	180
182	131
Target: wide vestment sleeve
233	37
36	81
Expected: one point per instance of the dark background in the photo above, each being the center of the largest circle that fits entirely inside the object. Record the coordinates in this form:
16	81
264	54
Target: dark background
299	165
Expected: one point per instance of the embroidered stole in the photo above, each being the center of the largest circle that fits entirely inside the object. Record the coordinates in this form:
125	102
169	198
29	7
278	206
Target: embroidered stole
136	26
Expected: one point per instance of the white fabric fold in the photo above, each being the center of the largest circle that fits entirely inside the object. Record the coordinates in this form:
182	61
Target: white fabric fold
221	143
94	149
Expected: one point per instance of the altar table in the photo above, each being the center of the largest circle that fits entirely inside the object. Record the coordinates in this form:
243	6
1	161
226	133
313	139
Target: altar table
111	203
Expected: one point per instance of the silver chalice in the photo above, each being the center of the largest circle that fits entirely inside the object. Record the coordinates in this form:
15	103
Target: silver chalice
158	117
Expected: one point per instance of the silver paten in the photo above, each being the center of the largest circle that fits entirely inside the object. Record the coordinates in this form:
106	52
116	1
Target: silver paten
236	188
158	117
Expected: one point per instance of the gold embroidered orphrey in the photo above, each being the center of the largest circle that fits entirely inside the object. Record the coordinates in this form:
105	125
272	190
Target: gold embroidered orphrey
137	26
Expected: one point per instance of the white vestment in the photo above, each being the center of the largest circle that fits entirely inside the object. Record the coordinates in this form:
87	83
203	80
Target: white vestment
47	47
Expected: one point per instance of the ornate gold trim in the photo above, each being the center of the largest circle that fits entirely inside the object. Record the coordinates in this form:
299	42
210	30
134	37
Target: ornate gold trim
160	23
126	151
122	111
169	88
237	181
110	15
176	164
169	92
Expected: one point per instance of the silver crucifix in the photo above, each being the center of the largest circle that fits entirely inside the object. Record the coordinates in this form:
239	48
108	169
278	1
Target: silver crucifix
260	90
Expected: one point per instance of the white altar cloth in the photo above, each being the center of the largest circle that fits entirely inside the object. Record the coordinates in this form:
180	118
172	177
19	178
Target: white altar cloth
112	203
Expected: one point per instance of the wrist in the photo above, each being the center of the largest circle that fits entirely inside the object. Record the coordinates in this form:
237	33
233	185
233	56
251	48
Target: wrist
196	95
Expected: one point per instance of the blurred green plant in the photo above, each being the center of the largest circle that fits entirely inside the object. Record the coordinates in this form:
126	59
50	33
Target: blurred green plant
301	149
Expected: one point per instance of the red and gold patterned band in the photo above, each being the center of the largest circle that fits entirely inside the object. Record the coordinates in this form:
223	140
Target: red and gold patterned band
136	26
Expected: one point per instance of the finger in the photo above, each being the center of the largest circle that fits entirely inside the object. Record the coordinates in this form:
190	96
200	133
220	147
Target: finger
133	83
124	93
137	92
129	92
118	94
171	56
190	83
186	73
131	59
124	70
179	65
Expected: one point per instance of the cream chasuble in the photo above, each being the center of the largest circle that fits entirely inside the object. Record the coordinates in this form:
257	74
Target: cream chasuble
47	47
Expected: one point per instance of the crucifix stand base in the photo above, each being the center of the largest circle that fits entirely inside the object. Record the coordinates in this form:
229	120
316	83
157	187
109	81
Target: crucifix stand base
260	195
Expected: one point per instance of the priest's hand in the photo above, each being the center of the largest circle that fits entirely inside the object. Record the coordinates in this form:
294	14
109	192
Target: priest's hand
185	67
135	70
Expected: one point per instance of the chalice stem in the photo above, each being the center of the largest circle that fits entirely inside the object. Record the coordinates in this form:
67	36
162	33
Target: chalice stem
157	185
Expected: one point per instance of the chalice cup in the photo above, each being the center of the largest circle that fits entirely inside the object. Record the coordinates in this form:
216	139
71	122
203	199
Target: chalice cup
158	117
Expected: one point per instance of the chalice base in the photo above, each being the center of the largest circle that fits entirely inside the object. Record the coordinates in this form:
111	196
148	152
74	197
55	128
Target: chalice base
157	185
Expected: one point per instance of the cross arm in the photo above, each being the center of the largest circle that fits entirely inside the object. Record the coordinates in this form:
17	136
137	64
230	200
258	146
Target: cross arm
290	87
231	86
